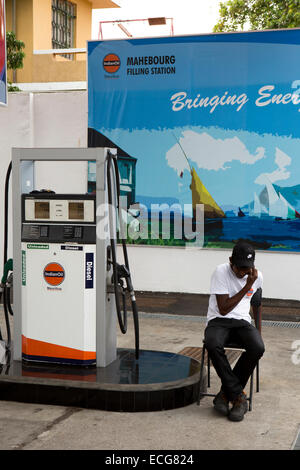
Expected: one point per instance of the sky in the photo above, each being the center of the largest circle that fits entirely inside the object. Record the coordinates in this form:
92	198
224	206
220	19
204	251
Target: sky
189	17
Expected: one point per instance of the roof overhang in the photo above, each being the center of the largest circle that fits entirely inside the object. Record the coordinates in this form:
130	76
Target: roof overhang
103	4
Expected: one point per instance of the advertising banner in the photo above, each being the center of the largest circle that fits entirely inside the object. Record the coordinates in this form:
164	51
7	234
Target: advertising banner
210	120
3	83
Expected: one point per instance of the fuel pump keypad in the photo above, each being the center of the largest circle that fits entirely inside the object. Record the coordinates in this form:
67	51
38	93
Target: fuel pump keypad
44	231
78	232
68	231
58	233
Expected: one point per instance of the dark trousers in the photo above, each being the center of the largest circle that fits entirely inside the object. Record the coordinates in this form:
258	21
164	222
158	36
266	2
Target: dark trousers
221	331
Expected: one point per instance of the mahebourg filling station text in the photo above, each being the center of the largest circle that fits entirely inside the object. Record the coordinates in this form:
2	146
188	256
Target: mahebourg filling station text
151	65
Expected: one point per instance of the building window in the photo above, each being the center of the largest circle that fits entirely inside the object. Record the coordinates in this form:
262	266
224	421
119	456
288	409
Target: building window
63	25
125	173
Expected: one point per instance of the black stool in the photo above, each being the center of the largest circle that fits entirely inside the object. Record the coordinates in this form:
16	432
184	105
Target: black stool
228	346
256	309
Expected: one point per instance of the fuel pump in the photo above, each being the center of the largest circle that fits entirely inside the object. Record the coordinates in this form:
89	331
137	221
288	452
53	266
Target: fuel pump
58	305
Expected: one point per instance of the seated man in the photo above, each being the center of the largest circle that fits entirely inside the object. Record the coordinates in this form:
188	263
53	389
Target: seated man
232	286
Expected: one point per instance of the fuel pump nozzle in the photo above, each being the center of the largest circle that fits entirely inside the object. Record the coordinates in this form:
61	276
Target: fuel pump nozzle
123	272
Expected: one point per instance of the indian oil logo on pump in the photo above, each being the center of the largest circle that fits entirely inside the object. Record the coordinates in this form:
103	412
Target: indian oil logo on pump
54	274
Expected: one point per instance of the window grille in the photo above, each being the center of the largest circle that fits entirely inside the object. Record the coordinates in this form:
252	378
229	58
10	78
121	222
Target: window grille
63	26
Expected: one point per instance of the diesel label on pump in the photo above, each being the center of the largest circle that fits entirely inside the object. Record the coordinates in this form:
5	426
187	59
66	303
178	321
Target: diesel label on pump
89	270
71	248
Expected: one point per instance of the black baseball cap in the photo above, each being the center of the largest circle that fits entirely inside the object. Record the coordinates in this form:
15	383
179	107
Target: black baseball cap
243	254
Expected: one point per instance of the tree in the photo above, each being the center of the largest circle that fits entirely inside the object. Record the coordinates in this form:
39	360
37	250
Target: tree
235	15
15	55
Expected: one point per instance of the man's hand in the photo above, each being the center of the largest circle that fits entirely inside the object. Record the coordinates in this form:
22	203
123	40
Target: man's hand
252	276
226	303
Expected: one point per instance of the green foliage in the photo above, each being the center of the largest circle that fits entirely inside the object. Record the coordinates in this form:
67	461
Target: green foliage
14	50
15	55
239	15
11	87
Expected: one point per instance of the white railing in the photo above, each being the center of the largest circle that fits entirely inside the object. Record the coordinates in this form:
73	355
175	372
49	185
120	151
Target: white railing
78	50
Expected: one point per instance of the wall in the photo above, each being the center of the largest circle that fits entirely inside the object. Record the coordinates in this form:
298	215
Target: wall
49	68
84	22
42	28
60	120
33	27
165	269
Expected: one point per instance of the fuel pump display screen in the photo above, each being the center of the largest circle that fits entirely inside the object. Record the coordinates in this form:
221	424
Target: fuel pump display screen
58	208
76	210
42	210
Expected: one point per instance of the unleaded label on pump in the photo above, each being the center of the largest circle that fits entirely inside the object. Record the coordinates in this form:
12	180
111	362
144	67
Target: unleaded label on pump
89	270
23	268
37	246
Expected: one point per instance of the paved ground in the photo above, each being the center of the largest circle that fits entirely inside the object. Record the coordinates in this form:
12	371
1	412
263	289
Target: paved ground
272	424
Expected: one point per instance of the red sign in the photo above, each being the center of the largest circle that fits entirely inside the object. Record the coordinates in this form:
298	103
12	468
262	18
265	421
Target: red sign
111	63
54	274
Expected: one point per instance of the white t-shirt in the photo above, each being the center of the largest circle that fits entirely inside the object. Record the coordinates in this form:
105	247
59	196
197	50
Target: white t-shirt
224	281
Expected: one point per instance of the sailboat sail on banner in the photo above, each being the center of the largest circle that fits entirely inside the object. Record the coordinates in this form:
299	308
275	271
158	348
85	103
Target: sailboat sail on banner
200	195
257	209
279	207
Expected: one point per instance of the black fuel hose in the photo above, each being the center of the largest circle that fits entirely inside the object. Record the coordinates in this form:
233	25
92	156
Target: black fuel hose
6	213
122	321
128	278
9	307
121	318
6	290
5	305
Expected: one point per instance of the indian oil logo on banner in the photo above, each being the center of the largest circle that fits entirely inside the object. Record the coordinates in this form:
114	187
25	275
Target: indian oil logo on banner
54	274
111	63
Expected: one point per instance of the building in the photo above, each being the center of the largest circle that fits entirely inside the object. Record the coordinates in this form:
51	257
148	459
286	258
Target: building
126	164
44	25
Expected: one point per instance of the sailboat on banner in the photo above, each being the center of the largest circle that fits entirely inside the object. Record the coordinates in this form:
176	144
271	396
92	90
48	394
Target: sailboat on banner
200	195
241	213
279	207
256	211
